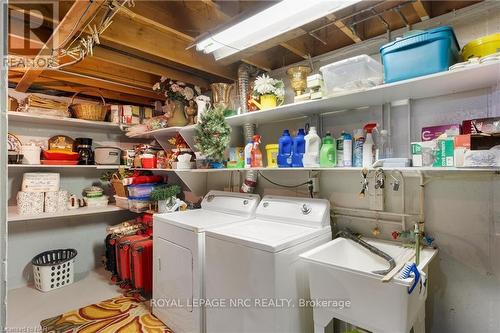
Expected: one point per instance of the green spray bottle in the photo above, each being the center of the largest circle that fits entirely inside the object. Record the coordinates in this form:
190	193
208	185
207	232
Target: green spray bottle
328	152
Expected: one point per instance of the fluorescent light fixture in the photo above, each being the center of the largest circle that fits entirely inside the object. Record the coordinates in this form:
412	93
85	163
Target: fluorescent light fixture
271	22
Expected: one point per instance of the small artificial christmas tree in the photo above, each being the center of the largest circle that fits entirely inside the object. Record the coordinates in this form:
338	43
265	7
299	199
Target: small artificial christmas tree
213	134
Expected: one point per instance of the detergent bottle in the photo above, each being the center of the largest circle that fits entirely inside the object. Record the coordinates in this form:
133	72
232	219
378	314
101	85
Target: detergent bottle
347	154
327	155
285	144
256	153
312	148
248	154
357	150
369	146
299	147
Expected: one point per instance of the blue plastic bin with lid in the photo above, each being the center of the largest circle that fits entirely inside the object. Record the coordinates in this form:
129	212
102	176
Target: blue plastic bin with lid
424	53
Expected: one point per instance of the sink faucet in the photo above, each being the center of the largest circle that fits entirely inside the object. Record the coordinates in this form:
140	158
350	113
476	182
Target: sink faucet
414	238
357	238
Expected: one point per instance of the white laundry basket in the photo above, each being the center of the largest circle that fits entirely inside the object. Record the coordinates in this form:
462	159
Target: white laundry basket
54	269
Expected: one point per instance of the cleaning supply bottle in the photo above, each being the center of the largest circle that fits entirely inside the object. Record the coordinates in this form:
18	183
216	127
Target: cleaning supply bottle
285	144
347	156
369	146
256	153
312	148
327	155
384	149
248	154
298	149
339	145
357	152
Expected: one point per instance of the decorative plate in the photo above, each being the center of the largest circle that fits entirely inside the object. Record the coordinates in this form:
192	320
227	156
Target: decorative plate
13	142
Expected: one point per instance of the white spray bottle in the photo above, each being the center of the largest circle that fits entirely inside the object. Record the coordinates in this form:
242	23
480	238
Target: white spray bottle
369	146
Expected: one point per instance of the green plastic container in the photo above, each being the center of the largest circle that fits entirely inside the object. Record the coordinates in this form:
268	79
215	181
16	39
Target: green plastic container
328	152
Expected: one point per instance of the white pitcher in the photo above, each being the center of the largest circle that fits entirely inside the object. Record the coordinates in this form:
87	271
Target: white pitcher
203	103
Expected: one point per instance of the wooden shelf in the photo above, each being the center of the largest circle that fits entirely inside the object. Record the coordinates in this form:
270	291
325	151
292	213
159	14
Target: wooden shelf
444	83
13	216
38	166
335	169
61	121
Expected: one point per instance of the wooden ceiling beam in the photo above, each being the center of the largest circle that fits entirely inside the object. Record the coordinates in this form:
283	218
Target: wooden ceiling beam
79	13
421	10
129	33
345	29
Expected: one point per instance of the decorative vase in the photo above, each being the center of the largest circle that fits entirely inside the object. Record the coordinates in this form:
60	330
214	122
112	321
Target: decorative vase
221	93
202	103
177	117
298	78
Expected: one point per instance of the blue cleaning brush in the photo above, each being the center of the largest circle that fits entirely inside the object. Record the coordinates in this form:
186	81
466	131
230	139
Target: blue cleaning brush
410	269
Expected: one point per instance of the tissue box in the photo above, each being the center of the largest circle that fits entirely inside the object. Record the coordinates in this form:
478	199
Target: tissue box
482	158
433	132
422	153
30	203
40	182
444	153
483	125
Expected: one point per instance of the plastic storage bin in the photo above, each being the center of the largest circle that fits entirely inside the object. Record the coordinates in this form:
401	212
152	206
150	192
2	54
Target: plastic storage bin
425	53
139	204
121	202
54	269
482	47
141	190
355	73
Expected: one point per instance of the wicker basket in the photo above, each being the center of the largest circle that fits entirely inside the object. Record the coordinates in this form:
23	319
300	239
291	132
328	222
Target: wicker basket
89	111
118	187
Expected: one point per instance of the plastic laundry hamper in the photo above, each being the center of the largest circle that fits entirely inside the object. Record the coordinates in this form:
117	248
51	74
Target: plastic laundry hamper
54	269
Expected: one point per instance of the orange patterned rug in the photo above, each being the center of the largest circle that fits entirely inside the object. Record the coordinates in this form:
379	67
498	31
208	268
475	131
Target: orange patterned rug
116	315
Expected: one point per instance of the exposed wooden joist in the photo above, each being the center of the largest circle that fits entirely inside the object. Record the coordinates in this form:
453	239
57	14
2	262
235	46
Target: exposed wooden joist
127	32
345	29
79	13
155	19
113	58
421	10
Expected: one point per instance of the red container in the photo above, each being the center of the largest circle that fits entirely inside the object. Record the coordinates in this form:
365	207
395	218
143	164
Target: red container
142	266
149	162
123	251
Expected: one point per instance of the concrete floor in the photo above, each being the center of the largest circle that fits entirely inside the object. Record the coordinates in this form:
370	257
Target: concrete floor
26	306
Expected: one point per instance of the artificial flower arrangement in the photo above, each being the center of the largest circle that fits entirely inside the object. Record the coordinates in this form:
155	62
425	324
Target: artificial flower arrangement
180	96
270	92
176	90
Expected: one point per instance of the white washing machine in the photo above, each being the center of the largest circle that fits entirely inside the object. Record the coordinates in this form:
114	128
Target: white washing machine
254	267
178	252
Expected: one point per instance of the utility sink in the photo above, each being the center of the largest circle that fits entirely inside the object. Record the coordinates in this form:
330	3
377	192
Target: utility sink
341	270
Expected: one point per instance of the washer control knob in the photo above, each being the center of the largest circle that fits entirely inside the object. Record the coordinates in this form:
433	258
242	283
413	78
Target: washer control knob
210	197
265	204
306	209
245	202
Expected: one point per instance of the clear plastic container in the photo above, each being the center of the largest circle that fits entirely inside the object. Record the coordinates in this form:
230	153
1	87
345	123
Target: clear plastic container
121	202
95	202
141	190
360	72
139	204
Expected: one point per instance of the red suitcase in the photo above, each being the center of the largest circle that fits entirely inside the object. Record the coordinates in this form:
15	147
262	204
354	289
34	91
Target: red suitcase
124	245
142	266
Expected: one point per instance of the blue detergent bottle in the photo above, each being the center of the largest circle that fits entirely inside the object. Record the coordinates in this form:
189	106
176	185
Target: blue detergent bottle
285	145
299	148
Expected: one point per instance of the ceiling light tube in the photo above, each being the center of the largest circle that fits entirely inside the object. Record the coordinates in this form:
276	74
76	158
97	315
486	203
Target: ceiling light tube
269	23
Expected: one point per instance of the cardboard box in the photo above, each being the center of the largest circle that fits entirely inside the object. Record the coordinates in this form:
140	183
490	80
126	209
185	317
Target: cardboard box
444	153
433	132
422	153
483	125
462	145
